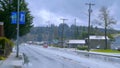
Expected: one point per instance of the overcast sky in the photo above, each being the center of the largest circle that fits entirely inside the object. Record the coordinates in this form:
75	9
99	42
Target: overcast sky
51	11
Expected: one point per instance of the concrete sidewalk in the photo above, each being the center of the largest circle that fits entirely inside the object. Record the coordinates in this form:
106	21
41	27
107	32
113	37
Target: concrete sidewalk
1	61
12	62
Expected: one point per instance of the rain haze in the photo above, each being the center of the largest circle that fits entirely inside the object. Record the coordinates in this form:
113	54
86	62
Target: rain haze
59	34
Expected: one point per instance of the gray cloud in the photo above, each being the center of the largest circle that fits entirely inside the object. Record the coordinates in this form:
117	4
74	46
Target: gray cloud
69	8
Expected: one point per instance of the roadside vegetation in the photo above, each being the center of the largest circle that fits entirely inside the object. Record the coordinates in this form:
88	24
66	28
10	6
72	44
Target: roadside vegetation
2	58
106	51
82	47
6	46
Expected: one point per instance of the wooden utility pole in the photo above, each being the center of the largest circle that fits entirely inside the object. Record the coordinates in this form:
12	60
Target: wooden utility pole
89	20
76	32
62	38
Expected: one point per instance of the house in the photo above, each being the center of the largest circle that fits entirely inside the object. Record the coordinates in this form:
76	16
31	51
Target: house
5	44
98	42
116	43
75	43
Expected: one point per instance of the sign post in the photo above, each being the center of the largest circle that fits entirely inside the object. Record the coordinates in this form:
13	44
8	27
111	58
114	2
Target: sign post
18	18
17	53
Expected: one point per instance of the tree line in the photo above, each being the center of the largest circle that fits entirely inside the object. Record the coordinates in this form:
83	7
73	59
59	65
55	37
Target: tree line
70	32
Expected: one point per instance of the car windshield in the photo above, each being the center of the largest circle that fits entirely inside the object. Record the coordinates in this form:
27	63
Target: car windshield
59	34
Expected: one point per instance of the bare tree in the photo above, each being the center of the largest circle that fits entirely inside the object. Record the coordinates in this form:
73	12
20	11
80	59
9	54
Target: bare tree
106	21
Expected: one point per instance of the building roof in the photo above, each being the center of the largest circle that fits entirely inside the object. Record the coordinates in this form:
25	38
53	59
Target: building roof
98	37
76	42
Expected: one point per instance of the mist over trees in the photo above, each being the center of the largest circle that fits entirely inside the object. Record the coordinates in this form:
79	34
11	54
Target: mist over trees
55	32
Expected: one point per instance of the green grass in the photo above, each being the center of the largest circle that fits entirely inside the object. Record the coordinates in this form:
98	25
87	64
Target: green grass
106	51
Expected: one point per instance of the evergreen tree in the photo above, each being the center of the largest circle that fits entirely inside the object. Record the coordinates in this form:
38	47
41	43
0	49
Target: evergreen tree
8	6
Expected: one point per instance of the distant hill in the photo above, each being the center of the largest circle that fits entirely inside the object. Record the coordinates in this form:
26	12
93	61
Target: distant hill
63	31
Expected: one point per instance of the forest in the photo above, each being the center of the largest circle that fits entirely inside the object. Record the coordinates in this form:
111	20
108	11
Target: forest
63	31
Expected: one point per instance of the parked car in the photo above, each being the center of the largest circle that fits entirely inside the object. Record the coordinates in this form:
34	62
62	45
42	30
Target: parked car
45	46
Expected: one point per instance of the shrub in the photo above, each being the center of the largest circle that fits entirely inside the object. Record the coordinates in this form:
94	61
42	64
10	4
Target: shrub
118	49
82	47
2	58
5	46
7	41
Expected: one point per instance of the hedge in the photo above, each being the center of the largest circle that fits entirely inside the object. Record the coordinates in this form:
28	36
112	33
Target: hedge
82	47
5	46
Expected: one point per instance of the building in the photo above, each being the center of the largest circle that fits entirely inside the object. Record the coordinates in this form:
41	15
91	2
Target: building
1	29
116	43
5	44
75	43
98	42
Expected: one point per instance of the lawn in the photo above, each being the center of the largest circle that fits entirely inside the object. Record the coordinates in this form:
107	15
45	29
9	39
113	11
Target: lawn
105	51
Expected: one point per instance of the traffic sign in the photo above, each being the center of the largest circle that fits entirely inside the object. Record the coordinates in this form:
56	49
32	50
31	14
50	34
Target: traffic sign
22	18
14	18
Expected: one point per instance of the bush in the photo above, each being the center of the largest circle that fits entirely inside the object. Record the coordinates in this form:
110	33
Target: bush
7	41
2	58
118	49
82	47
5	46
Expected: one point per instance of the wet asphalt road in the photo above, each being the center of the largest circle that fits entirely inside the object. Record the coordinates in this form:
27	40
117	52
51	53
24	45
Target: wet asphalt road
40	59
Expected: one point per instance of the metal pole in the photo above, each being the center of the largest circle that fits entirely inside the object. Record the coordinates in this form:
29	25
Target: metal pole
48	32
17	53
89	20
75	32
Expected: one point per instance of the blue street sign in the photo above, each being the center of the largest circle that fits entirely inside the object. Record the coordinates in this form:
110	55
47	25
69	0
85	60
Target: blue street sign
22	18
14	17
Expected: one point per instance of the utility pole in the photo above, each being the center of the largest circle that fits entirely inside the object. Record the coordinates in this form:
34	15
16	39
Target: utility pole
62	39
76	33
89	20
48	33
18	6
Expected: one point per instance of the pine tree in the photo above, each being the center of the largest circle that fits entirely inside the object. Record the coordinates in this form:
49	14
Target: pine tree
8	6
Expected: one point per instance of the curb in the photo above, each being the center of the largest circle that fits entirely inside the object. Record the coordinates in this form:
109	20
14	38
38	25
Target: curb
94	55
1	62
